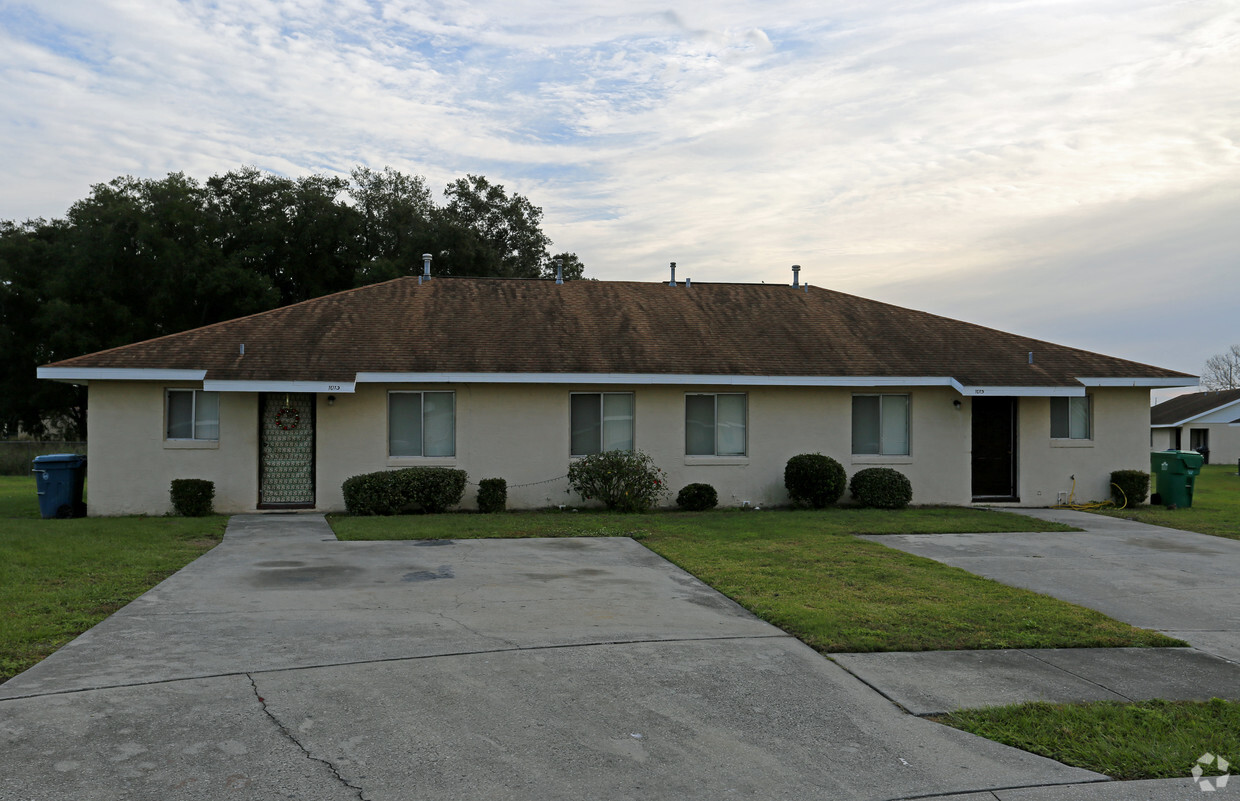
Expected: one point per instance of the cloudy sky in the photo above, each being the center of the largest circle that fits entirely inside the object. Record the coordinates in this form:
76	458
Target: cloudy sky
1067	169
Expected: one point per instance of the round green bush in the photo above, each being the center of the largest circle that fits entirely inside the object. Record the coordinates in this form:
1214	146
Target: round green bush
192	497
881	488
492	495
1130	487
814	480
625	481
697	498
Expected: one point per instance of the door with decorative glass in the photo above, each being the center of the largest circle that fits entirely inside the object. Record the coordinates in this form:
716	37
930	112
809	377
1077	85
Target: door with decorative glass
286	450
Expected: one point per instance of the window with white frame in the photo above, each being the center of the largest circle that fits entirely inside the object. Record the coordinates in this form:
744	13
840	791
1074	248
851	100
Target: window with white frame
715	424
422	424
600	421
1070	418
880	425
192	414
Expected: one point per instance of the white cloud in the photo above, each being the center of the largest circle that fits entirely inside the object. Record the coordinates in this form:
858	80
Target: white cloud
890	148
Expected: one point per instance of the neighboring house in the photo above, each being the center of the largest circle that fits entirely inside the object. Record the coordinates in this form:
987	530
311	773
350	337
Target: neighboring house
1201	421
719	383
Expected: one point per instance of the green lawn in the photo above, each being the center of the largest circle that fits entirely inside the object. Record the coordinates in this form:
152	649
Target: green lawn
60	577
804	572
1215	509
1146	740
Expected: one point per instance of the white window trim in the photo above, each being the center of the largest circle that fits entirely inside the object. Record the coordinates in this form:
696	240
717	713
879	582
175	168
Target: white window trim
186	443
600	393
428	461
886	458
716	458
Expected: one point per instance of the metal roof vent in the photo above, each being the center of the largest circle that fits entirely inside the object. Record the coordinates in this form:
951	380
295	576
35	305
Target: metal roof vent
673	281
796	276
559	271
426	265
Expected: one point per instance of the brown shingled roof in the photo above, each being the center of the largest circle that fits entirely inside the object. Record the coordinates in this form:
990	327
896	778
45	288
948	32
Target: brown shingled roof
1183	407
522	326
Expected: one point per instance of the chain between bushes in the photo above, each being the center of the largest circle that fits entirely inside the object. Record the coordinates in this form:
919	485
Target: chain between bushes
531	484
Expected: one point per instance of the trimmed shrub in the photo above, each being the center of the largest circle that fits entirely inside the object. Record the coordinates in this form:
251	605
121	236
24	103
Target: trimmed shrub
389	492
372	494
697	497
492	495
1134	484
881	488
625	481
814	480
192	497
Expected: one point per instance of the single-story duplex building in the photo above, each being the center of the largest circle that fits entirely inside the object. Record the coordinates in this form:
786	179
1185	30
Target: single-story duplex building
1208	422
719	383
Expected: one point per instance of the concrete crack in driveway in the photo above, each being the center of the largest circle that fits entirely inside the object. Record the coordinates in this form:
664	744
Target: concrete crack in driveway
285	731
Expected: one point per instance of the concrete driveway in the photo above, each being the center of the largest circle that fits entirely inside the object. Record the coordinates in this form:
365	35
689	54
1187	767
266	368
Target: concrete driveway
1183	584
285	664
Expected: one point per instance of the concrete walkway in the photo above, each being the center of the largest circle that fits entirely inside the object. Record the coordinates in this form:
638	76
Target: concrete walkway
285	664
1184	584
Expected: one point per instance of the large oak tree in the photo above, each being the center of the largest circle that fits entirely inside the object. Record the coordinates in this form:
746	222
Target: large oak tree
140	258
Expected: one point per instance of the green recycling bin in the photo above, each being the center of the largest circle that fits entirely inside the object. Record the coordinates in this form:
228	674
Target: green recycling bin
1175	473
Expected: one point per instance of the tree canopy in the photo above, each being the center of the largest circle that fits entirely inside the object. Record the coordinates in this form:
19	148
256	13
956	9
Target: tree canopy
1222	370
140	258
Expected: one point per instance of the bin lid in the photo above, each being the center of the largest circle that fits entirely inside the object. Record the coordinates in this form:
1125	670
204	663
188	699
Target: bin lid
58	458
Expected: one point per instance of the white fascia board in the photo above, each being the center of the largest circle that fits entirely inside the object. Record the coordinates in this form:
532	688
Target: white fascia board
343	387
84	374
654	378
1152	383
1024	392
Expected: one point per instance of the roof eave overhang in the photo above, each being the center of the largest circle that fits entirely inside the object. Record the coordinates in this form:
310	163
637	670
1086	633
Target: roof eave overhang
84	375
1149	383
1221	407
343	387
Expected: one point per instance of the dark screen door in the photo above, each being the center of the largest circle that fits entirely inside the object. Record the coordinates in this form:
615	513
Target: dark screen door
994	449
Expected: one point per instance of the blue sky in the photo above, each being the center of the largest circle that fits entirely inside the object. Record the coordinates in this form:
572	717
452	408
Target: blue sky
1064	169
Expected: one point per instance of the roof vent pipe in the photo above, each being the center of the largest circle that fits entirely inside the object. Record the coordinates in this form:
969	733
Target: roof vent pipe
426	265
796	275
688	282
559	271
673	281
1031	357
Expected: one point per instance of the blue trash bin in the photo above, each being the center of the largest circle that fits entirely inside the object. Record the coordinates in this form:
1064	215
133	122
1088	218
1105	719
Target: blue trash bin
60	479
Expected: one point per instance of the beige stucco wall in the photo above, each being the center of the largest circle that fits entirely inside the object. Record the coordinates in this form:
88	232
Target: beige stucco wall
131	466
521	433
1120	442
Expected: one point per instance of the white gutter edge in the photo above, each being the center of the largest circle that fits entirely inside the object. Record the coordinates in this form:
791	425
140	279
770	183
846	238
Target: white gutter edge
343	387
1152	383
75	374
654	379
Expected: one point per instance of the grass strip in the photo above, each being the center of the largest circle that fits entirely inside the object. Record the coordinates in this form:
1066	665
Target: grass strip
805	572
1215	509
59	578
1141	740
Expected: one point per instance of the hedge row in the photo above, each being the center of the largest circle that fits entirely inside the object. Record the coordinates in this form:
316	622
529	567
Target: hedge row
389	492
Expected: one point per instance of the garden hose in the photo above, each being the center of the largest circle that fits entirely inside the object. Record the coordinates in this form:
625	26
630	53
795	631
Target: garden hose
1091	505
